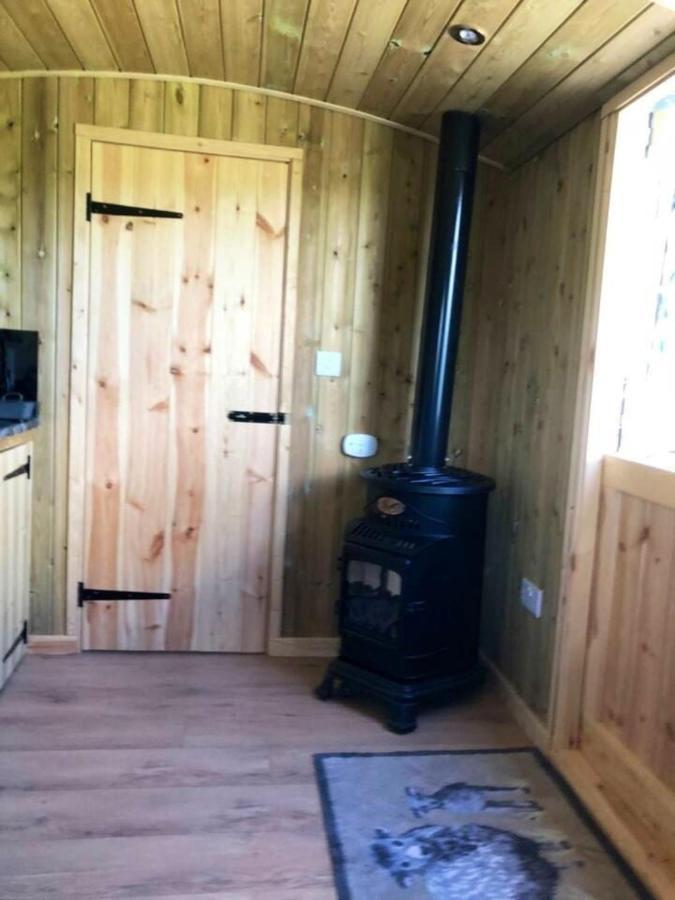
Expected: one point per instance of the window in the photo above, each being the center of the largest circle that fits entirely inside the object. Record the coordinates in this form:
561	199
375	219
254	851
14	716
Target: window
638	307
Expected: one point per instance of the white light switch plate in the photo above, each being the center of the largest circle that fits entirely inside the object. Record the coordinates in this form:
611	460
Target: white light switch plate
328	363
360	446
531	597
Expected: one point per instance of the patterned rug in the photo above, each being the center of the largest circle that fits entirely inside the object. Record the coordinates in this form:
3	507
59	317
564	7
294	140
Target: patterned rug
463	825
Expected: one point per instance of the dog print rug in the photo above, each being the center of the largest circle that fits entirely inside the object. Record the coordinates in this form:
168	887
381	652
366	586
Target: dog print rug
464	825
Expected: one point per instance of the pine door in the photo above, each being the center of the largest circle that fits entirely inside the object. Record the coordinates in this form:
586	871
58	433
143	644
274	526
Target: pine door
15	520
185	325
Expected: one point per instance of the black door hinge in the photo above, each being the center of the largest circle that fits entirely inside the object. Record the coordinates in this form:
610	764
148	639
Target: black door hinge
118	209
88	595
263	418
22	470
21	638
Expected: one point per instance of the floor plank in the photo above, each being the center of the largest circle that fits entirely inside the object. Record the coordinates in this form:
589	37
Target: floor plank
180	776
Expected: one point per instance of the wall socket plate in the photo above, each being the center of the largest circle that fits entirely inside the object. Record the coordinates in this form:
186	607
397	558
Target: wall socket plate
328	363
532	597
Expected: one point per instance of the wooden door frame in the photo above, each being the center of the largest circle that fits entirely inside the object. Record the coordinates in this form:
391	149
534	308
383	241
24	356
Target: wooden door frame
85	135
591	434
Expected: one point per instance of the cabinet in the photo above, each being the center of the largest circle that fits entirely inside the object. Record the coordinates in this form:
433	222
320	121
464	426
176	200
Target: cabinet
15	522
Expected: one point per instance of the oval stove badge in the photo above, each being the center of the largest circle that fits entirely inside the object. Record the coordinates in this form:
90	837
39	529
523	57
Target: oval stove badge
390	506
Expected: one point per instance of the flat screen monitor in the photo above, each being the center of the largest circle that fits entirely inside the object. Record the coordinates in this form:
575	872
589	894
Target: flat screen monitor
19	363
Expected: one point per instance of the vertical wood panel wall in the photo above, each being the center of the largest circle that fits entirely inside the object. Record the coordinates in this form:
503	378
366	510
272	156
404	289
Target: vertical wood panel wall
517	376
364	206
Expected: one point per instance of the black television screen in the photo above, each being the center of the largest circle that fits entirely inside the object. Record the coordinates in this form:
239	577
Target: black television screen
19	363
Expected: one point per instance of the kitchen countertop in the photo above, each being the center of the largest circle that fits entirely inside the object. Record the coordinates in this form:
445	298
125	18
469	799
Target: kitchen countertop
11	430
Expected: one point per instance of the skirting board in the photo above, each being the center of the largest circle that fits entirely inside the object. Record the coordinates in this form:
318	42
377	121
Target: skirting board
317	647
53	644
531	724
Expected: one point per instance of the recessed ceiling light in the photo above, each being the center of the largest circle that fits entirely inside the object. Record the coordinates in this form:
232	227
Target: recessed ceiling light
465	34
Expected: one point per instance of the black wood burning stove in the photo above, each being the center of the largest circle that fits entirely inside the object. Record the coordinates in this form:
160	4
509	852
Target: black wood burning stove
409	606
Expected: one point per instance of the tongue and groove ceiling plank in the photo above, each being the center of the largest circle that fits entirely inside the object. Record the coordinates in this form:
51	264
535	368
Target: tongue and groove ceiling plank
83	30
120	22
35	19
202	40
543	66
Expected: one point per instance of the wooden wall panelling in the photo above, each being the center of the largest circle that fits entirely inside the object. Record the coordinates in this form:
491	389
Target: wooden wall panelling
76	105
241	22
215	112
367	325
337	287
325	30
120	22
111	102
284	26
203	39
397	356
371	27
10	204
222	113
181	108
299	615
524	362
146	105
281	122
38	286
248	117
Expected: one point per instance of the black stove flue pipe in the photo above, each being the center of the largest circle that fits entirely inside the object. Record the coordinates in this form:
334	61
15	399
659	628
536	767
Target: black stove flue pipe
455	179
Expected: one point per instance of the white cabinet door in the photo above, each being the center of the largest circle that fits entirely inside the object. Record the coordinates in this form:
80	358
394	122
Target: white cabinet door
15	514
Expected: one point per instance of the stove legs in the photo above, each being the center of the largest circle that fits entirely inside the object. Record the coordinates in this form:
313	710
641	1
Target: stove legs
401	699
402	717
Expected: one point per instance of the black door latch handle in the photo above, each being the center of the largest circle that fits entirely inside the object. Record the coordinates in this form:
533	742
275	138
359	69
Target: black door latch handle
262	418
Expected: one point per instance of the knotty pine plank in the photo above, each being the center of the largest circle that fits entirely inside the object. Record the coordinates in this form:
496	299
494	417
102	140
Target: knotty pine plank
161	27
241	22
15	50
82	29
10	204
325	31
448	60
120	22
202	37
111	102
181	108
215	112
76	105
39	251
420	26
248	117
34	18
314	136
369	32
146	105
282	38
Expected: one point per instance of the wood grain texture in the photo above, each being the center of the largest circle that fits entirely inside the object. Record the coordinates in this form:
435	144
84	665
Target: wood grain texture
542	68
15	528
184	799
10	205
180	499
524	310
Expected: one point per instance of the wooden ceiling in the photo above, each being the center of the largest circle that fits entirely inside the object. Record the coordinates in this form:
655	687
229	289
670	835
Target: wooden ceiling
545	64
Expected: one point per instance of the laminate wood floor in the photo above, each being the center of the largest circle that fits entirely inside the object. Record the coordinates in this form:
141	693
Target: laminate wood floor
183	775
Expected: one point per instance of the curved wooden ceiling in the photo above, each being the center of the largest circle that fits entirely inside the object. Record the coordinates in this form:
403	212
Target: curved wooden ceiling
544	65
